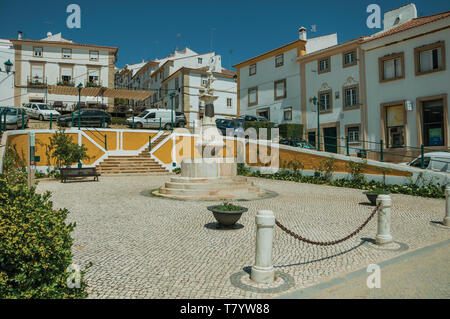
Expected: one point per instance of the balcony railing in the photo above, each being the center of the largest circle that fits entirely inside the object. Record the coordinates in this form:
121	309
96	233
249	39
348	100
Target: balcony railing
96	84
36	81
65	83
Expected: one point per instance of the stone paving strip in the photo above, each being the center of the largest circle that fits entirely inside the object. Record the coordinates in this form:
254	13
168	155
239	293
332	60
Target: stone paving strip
149	247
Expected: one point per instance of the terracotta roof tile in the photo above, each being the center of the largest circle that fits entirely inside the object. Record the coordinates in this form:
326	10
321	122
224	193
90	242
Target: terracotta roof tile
411	24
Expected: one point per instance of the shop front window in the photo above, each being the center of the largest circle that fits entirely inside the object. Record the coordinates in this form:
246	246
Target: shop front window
395	126
433	123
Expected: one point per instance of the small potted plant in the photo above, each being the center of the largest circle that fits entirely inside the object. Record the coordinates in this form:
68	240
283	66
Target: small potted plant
227	214
373	194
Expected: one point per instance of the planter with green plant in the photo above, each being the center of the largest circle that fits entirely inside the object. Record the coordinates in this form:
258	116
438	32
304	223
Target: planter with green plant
227	214
373	194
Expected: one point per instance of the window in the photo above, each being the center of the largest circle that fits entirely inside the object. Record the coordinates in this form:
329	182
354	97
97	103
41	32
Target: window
430	58
93	55
66	53
252	69
324	65
200	60
37	52
287	114
66	75
204	80
264	113
353	134
280	89
351	99
349	58
252	96
177	101
93	76
279	60
37	73
177	84
325	103
229	102
391	67
433	122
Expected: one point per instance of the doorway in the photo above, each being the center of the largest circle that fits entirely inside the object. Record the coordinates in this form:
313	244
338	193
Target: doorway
330	139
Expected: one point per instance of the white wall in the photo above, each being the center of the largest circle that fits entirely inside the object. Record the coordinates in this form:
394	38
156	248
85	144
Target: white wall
6	80
335	80
266	75
412	86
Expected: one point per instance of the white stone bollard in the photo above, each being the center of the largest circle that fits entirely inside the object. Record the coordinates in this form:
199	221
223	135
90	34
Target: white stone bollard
384	220
262	271
446	221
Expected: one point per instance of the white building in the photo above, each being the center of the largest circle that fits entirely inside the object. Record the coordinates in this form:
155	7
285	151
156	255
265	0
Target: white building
6	79
182	74
408	81
269	84
55	61
333	77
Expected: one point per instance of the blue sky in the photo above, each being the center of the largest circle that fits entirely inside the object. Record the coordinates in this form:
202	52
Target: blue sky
148	29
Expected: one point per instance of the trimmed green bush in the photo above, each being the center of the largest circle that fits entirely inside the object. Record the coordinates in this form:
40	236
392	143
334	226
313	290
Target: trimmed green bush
258	125
291	130
35	245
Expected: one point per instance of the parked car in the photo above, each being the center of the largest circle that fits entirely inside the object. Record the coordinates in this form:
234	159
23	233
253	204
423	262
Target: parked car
297	142
180	119
153	118
438	161
40	111
13	117
252	118
237	125
89	117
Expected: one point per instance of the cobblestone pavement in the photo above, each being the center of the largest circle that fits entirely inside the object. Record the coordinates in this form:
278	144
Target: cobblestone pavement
148	247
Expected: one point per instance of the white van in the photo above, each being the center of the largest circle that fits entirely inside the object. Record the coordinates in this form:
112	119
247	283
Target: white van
438	161
153	118
41	111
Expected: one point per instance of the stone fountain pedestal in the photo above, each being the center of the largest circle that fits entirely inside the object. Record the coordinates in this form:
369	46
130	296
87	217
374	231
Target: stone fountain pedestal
209	179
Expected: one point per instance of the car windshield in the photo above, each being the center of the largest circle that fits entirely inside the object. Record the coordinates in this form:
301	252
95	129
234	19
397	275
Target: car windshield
143	114
44	107
418	162
222	121
8	111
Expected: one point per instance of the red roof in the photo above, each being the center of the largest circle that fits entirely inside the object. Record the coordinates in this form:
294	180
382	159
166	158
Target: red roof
411	24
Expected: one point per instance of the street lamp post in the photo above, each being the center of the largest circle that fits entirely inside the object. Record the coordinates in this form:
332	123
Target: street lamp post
315	102
172	95
80	86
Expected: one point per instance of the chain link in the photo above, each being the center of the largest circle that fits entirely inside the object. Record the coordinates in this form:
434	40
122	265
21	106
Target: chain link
327	243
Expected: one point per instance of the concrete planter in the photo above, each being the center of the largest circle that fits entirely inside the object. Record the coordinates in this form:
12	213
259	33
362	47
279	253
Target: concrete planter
226	218
372	197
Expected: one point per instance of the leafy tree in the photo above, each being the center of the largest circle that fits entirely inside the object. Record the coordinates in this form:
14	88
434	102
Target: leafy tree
64	150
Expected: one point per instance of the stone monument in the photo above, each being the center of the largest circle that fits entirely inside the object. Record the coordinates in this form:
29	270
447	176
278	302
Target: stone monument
209	177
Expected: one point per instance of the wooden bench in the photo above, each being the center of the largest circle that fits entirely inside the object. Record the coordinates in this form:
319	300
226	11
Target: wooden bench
67	173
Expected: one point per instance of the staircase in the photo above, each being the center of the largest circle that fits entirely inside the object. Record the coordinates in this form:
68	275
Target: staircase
139	164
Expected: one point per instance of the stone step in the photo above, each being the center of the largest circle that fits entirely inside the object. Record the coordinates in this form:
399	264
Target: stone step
234	179
208	192
126	171
209	185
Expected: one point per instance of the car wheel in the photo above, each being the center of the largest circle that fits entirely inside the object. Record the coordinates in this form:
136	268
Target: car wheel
138	125
182	124
41	117
167	126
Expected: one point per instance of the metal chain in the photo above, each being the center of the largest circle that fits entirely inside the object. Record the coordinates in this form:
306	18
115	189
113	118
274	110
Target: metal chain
327	243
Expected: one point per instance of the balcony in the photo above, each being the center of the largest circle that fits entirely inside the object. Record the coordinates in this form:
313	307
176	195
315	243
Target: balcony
65	83
97	84
36	82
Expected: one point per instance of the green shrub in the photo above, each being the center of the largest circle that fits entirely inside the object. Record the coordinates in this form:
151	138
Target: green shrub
357	170
64	150
35	245
291	130
259	125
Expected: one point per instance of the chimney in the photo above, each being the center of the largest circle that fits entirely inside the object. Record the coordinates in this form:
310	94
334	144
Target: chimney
302	33
19	35
49	34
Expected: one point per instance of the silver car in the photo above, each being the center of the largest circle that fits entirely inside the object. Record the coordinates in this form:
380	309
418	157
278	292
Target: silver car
41	111
14	117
